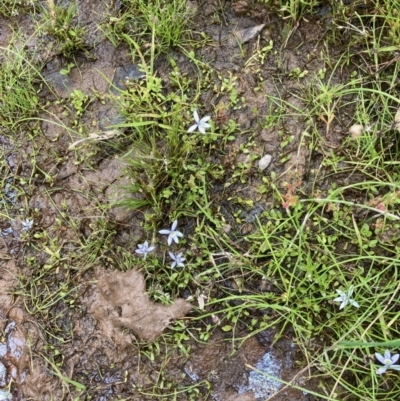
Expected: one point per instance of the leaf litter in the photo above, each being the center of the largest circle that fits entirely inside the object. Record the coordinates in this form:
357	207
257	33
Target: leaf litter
119	300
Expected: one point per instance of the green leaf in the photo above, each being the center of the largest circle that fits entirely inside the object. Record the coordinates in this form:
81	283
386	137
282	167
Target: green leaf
226	328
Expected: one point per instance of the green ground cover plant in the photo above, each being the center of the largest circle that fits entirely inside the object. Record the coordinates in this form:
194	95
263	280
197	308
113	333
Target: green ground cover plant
12	8
164	22
18	84
317	248
61	23
322	260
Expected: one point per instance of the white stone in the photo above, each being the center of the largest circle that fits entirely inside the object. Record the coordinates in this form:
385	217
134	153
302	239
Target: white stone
356	131
264	162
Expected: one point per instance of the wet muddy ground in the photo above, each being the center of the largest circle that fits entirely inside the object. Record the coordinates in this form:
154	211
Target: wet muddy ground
103	322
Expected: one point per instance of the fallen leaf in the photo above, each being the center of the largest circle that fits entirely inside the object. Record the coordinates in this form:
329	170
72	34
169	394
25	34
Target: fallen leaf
102	136
241	36
290	200
120	300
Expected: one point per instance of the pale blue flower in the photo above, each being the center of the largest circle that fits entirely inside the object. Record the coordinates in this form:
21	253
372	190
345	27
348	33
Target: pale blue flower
345	298
173	234
6	231
27	224
201	125
144	249
388	361
177	259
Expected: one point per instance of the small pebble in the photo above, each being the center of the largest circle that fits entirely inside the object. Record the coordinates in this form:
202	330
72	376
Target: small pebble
355	131
264	162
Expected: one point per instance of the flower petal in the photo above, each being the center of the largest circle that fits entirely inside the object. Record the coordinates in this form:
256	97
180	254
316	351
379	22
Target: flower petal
178	234
380	358
172	256
196	116
354	303
387	354
395	367
381	370
205	125
394	358
202	130
170	238
350	292
167	232
204	119
176	239
174	225
192	128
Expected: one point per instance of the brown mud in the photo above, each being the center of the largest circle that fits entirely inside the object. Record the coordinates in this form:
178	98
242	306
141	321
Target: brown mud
101	334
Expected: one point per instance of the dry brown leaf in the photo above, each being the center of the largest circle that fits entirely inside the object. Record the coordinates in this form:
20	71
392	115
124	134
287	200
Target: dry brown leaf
120	300
241	36
102	136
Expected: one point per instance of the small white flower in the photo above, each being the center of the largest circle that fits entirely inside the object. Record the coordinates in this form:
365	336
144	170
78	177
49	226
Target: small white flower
345	298
27	224
177	259
173	234
388	361
144	249
202	124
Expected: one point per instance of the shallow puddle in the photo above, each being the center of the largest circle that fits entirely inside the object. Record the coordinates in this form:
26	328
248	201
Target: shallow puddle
263	386
14	360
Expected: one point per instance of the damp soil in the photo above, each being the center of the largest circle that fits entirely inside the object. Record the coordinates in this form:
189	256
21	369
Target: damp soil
100	334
